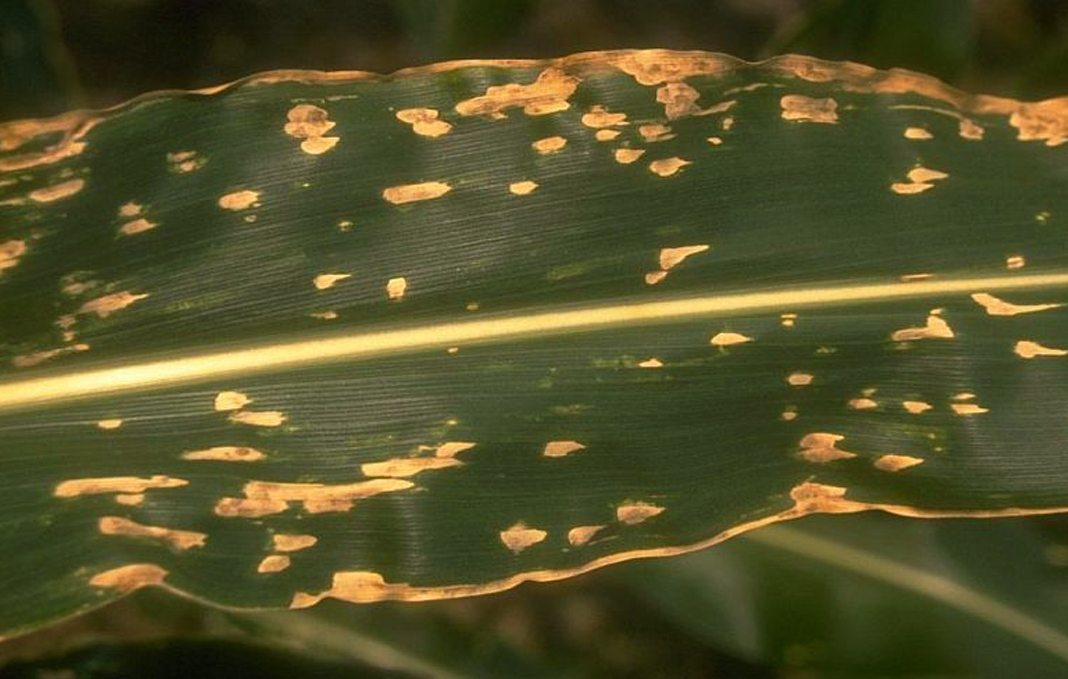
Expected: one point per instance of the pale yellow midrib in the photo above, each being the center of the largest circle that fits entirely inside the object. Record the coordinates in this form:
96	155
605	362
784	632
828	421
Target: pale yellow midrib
206	365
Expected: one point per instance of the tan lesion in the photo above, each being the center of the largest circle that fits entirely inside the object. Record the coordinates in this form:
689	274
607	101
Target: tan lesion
799	108
11	252
259	418
632	513
822	447
936	327
579	536
425	122
726	339
115	484
239	200
263	498
549	145
310	124
273	563
999	307
293	542
411	193
519	537
667	167
325	281
549	93
920	179
627	156
561	448
178	539
108	304
130	577
1030	349
225	454
895	463
599	117
64	189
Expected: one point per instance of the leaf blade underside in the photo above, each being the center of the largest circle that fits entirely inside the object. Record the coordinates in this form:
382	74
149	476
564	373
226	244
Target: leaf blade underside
398	315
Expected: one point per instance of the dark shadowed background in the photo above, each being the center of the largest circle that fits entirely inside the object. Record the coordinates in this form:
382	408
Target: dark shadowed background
60	54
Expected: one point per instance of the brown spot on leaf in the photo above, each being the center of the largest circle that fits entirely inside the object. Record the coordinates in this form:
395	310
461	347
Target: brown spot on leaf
651	363
328	280
580	535
547	94
240	200
410	193
655	132
403	467
522	188
10	252
109	425
396	288
599	117
310	123
1015	262
136	226
109	304
115	484
606	134
179	539
129	578
627	156
273	563
809	110
266	497
519	537
549	145
967	129
632	513
424	121
919	180
999	307
1029	349
231	400
936	328
917	133
916	407
654	277
666	167
679	99
561	448
38	357
895	463
262	418
799	379
822	447
225	454
293	543
726	339
670	257
57	191
863	404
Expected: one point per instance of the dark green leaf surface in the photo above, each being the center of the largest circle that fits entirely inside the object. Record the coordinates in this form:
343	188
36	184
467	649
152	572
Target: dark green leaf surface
874	323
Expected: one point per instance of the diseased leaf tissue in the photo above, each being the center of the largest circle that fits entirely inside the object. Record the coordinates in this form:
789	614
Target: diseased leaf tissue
438	333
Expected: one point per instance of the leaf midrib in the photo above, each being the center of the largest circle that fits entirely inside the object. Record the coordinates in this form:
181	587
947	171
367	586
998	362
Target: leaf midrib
145	374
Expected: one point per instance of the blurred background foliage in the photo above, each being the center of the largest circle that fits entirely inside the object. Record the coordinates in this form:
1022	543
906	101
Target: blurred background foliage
865	596
60	54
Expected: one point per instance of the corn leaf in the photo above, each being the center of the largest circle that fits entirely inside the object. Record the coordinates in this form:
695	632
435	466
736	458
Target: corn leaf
438	333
